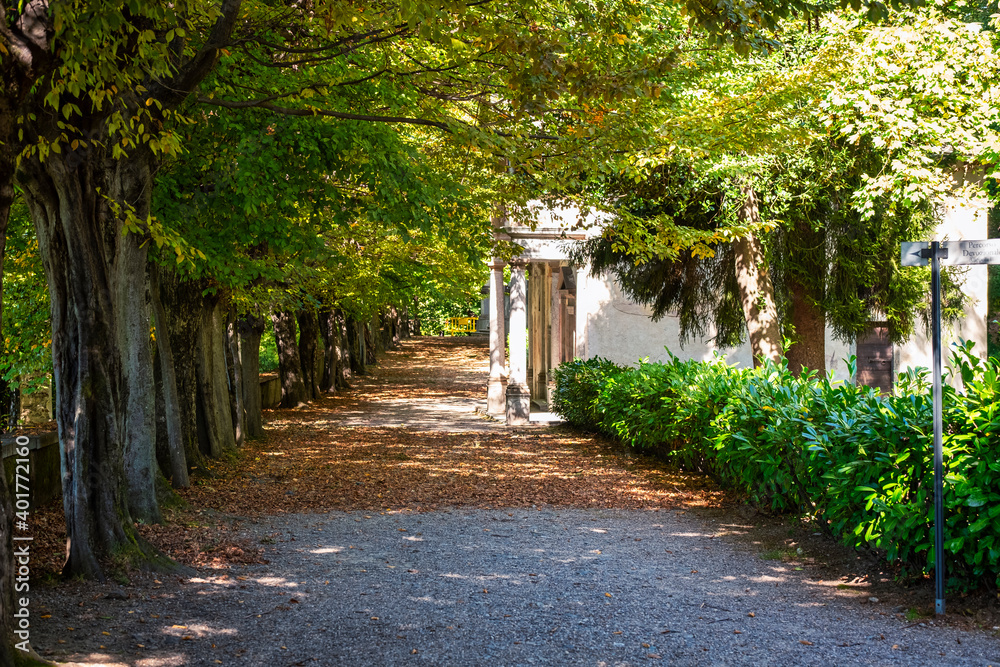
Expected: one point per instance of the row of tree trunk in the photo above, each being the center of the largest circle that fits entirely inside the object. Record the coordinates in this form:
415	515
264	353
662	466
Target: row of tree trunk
319	351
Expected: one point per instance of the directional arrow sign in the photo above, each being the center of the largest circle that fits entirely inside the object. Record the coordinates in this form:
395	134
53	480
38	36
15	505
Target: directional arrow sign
954	253
912	254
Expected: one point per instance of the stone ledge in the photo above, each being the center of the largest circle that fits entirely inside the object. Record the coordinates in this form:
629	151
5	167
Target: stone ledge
35	441
43	463
270	392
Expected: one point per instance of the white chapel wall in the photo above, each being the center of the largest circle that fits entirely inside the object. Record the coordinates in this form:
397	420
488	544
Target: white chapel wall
611	326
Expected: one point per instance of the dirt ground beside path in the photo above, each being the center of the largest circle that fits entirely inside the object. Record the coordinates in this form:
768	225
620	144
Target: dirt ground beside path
343	538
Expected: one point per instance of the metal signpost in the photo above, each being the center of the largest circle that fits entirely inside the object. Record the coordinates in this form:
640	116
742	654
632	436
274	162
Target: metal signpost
938	253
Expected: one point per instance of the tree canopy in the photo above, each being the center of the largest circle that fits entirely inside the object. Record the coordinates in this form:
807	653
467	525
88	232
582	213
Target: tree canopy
870	153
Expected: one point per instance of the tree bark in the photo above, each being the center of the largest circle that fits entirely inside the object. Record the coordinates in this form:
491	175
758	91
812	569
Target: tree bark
331	354
234	374
808	352
373	341
397	326
404	322
808	348
81	241
293	388
139	431
181	303
343	353
756	290
356	346
308	339
415	322
214	415
381	327
167	387
250	329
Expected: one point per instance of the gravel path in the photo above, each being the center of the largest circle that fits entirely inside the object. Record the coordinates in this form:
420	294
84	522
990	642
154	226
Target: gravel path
517	586
548	586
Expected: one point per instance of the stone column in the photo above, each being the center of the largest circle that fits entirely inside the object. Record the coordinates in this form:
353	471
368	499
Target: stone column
537	332
567	323
555	344
483	323
518	394
583	298
496	400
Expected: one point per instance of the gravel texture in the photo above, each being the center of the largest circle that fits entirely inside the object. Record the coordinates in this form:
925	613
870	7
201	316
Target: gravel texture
564	586
520	587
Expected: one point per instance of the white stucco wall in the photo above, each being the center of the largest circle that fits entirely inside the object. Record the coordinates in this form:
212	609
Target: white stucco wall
961	220
611	326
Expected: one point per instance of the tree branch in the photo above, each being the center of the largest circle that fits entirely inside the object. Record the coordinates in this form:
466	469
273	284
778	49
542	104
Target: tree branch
196	69
288	111
29	45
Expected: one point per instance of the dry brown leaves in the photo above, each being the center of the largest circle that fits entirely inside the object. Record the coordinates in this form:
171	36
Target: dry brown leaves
301	468
308	463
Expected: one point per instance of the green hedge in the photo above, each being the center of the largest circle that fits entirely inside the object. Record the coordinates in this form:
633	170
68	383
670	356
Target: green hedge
860	462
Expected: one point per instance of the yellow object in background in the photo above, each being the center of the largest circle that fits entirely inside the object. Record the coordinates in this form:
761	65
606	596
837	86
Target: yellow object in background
460	325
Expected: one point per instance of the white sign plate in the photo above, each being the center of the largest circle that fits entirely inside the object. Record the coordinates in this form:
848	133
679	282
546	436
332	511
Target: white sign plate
960	253
910	253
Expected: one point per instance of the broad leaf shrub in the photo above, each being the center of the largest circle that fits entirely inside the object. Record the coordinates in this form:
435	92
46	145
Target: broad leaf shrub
859	462
578	384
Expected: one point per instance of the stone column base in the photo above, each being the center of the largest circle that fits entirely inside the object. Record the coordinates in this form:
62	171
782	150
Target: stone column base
550	393
496	397
518	405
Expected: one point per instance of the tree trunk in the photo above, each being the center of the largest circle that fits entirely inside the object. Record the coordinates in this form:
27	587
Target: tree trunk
808	349
373	341
415	322
132	304
250	329
234	374
381	326
328	330
214	415
397	326
293	388
343	352
181	303
403	317
756	290
81	243
320	363
167	388
356	346
308	339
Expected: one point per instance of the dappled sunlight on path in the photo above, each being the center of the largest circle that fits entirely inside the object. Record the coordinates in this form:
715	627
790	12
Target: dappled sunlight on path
406	436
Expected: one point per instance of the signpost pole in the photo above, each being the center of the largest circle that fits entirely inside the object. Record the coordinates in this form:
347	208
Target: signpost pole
938	453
